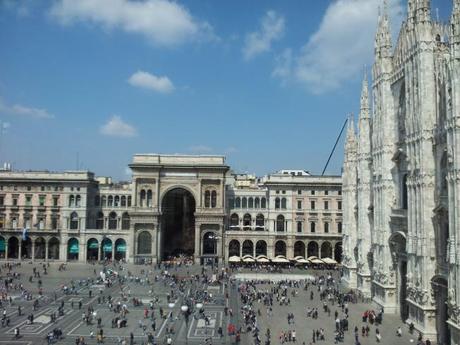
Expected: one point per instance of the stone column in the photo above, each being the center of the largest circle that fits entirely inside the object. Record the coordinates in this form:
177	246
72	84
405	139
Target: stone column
6	249
20	250
46	250
197	243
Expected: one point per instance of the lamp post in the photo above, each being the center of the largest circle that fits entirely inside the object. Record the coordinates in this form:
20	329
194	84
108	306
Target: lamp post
185	311
171	306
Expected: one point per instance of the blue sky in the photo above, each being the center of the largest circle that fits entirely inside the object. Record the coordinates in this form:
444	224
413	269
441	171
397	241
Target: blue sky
266	83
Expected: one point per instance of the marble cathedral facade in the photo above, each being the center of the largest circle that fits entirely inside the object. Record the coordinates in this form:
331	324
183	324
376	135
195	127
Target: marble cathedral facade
401	178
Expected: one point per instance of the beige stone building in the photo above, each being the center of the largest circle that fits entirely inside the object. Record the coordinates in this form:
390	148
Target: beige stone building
175	204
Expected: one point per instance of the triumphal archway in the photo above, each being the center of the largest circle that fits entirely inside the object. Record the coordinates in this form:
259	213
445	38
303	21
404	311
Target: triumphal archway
178	207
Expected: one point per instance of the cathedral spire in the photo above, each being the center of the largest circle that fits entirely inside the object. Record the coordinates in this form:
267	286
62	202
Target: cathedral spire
422	11
351	130
383	36
364	113
455	29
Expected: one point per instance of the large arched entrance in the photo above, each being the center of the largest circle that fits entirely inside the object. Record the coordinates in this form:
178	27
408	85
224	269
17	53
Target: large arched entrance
92	248
13	248
26	248
177	223
106	249
40	248
73	248
120	249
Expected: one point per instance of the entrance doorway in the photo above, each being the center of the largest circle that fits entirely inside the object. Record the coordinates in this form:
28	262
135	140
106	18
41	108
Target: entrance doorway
178	223
441	293
403	307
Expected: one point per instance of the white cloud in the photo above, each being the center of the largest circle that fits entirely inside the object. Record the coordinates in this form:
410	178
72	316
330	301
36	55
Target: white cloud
200	149
283	65
162	22
231	149
341	46
21	110
271	29
116	127
149	81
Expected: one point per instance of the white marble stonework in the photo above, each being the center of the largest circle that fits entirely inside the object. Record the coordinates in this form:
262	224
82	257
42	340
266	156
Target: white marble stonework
401	176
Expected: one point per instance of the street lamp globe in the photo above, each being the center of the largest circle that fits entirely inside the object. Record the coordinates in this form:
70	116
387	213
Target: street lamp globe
171	305
184	308
199	306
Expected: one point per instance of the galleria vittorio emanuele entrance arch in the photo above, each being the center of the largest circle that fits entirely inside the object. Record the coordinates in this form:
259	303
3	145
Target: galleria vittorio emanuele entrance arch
178	207
178	223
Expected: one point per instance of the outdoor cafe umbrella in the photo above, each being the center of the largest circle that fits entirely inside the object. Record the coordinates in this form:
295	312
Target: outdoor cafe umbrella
329	261
234	259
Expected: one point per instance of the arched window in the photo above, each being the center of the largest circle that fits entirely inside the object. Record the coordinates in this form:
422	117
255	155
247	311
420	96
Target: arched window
283	203
125	221
277	203
71	201
312	227
247	220
144	243
280	248
237	202
123	201
256	203
234	220
209	244
117	201
112	221
248	248
280	223
234	248
245	203
207	199
213	199
78	201
149	198
251	202
129	200
263	203
261	248
97	200
142	198
73	224
110	201
260	222
299	249
104	201
326	250
100	221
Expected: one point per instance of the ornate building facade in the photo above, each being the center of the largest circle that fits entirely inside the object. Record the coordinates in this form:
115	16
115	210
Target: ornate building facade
401	178
174	204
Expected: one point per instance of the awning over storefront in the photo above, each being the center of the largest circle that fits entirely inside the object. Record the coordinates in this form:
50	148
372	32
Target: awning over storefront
107	247
73	247
121	247
93	245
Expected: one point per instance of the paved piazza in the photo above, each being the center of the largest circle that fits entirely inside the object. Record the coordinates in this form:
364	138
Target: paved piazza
197	331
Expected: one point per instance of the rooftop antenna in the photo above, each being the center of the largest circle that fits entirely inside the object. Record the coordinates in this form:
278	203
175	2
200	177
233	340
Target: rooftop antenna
78	161
335	145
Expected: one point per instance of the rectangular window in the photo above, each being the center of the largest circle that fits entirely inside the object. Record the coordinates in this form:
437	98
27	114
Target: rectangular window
15	200
299	226
299	191
42	188
41	200
326	227
284	192
326	192
54	223
312	227
339	192
29	188
299	204
339	205
28	200
2	200
339	227
326	205
312	192
27	222
312	205
55	201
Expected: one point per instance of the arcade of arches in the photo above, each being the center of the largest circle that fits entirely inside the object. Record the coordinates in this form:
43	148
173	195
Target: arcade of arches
305	249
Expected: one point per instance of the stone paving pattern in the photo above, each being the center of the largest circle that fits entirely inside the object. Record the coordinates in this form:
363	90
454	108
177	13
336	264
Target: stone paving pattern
72	325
